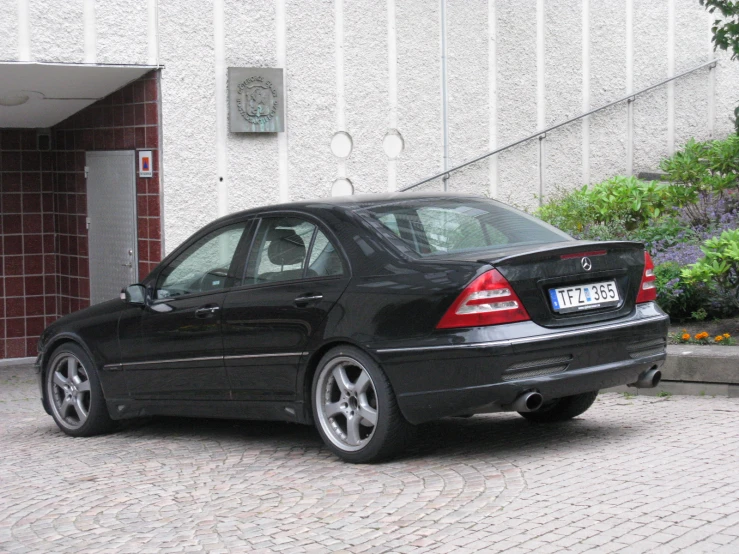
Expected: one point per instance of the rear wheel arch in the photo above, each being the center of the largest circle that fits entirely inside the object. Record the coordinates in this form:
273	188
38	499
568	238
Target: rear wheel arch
356	411
312	365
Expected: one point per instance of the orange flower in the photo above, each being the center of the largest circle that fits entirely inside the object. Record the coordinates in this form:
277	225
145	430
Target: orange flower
701	336
719	338
727	335
686	336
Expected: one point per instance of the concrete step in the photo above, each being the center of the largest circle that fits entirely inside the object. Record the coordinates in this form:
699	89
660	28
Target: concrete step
696	370
655	175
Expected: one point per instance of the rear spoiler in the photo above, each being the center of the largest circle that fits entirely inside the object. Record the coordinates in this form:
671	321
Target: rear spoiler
553	250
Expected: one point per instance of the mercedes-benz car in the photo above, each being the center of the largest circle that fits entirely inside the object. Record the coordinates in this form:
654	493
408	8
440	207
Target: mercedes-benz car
364	316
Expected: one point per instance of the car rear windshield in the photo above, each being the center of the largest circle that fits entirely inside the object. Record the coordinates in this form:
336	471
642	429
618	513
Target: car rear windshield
433	226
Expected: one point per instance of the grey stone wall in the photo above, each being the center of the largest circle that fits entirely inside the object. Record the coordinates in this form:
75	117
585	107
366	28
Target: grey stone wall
492	100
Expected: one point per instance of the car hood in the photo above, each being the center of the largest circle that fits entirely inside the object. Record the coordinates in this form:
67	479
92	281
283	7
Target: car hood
71	322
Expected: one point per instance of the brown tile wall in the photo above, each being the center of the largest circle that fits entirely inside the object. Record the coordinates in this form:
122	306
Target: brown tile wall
43	209
27	228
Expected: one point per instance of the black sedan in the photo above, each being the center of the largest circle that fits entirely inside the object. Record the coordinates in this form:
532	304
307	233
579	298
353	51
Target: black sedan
364	316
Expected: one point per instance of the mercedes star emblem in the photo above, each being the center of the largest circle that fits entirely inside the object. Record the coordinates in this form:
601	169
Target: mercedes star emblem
587	265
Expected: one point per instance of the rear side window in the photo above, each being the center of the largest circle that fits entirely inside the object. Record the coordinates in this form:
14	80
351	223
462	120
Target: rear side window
324	259
450	225
290	248
280	250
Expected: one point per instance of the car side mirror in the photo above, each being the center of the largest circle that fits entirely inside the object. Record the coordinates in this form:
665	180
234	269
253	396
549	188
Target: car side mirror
134	294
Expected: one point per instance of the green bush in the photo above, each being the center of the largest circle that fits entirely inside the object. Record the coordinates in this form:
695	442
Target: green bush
719	268
677	296
711	166
663	232
707	175
699	199
629	199
624	203
570	211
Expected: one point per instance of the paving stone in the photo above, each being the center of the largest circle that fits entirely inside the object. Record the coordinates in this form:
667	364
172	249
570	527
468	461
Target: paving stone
639	475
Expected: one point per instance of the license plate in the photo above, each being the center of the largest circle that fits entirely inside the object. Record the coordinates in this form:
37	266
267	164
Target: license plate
584	297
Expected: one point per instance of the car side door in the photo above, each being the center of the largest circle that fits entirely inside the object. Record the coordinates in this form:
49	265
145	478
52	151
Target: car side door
294	275
177	350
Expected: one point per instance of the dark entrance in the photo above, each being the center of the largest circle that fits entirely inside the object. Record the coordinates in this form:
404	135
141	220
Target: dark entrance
44	247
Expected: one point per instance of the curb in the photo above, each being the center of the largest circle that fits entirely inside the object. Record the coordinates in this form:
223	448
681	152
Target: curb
696	370
16	361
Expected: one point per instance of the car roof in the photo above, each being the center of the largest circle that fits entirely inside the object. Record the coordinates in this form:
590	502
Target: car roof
353	202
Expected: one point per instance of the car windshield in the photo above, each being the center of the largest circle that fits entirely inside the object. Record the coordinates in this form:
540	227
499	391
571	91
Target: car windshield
433	226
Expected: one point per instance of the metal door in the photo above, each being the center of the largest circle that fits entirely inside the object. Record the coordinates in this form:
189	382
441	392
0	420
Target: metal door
111	211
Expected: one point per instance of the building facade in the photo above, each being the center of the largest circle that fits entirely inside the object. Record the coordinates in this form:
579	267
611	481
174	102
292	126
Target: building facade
83	82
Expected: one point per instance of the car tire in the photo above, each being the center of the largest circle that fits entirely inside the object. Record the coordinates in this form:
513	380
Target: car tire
354	408
73	393
562	409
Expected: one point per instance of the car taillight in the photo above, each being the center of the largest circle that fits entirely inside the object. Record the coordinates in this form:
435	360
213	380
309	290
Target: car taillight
647	287
488	300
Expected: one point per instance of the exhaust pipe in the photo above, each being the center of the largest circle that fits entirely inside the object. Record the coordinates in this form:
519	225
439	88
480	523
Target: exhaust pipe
528	402
649	379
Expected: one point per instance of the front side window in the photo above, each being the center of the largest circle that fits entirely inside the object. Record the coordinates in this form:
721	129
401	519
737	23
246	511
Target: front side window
289	248
202	267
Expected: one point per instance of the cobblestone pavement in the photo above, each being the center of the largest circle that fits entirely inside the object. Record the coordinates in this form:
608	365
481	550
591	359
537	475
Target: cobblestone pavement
631	475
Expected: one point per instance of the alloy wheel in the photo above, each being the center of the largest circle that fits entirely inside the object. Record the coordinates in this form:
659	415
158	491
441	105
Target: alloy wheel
69	391
346	401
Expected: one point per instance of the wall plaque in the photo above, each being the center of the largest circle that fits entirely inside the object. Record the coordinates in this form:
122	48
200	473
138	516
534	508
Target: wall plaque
256	100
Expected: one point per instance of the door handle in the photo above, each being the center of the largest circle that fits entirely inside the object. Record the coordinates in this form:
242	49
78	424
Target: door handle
130	263
308	298
205	311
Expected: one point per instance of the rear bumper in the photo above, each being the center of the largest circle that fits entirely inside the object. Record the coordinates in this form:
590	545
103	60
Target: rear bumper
433	381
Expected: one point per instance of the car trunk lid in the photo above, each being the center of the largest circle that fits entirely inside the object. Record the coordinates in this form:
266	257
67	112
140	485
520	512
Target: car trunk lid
544	275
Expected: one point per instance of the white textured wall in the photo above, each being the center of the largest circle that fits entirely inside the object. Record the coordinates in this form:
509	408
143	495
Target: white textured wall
419	89
56	31
366	91
516	74
121	31
607	82
650	66
311	97
8	31
691	48
727	85
563	94
252	169
467	86
188	118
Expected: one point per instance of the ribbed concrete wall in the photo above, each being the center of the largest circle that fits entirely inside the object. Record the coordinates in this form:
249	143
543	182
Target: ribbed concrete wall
513	67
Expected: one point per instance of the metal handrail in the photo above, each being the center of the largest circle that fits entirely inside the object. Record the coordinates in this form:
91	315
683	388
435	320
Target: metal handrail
542	133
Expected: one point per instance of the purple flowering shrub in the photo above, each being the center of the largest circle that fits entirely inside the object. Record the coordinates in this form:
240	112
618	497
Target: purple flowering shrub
674	241
719	269
697	202
675	251
675	295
